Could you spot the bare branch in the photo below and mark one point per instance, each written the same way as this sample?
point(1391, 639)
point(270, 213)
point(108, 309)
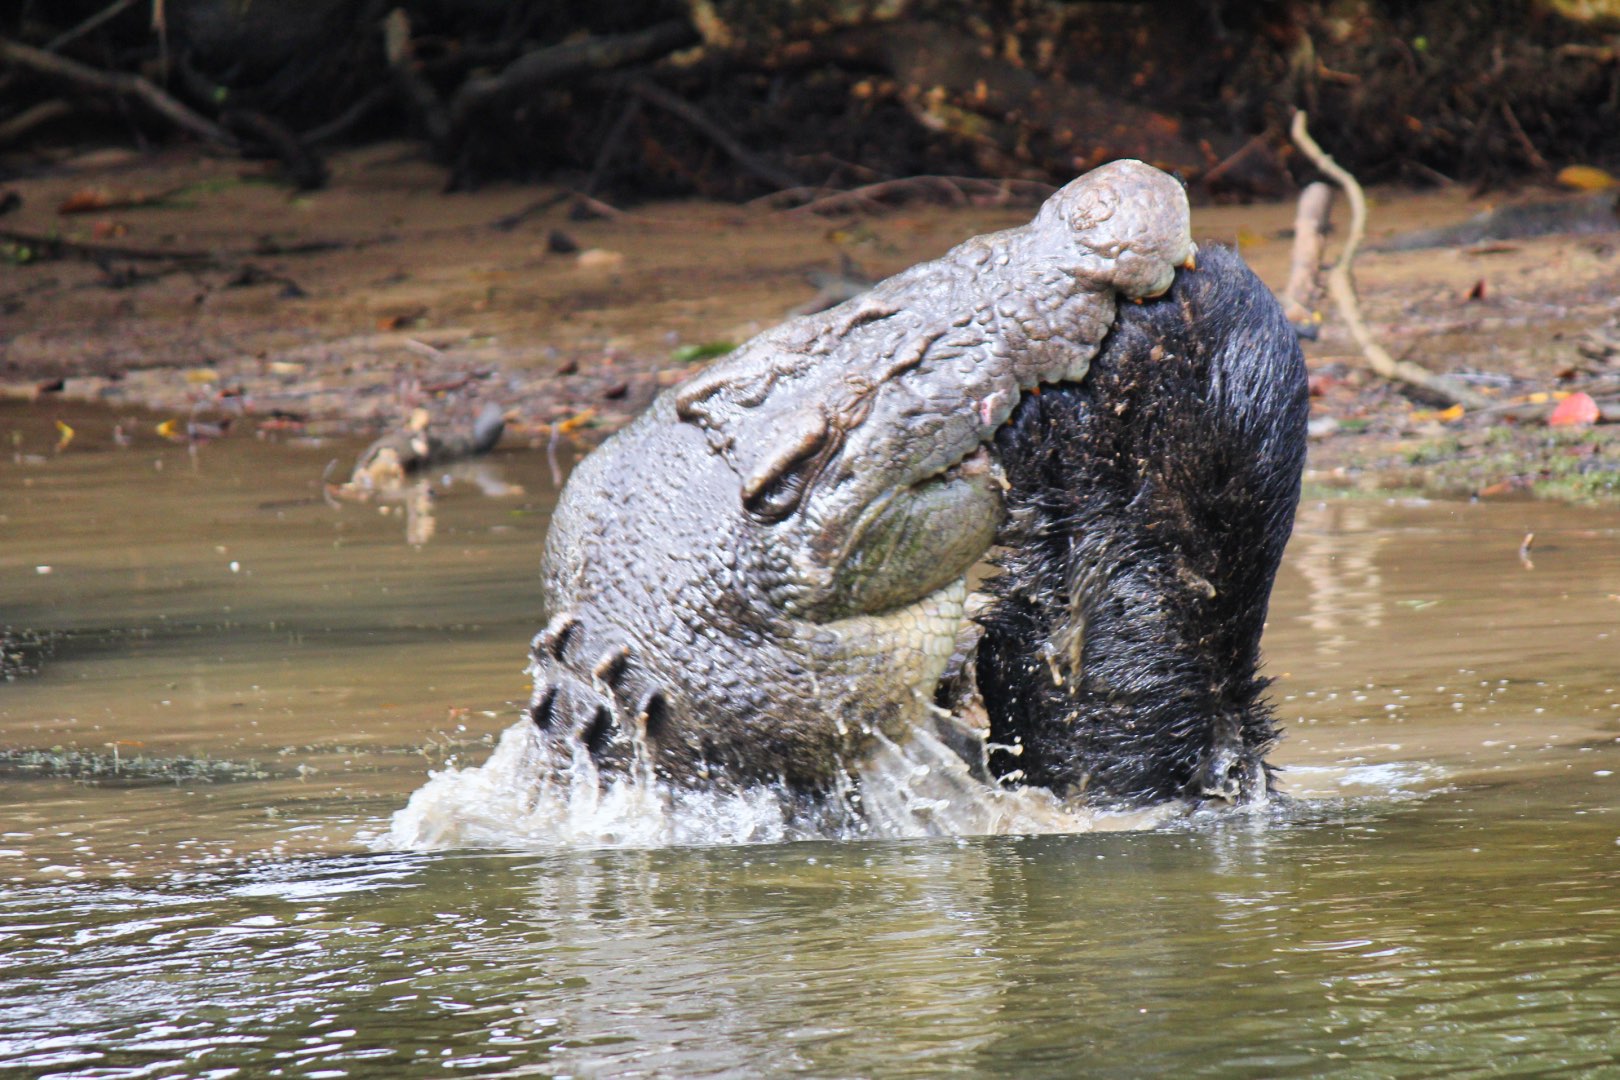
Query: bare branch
point(1342, 286)
point(116, 83)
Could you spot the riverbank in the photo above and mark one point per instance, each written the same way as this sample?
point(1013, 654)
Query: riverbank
point(196, 288)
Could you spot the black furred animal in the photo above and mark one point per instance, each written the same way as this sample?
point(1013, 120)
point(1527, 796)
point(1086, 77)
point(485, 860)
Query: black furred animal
point(1149, 509)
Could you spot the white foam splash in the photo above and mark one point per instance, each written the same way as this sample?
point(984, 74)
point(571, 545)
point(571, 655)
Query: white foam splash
point(519, 798)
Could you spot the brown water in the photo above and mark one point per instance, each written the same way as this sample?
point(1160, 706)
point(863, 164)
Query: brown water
point(246, 682)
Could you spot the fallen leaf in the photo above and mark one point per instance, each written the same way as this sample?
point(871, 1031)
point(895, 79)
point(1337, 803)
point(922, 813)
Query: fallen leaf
point(1585, 178)
point(1444, 416)
point(401, 321)
point(202, 375)
point(1511, 486)
point(578, 420)
point(1576, 410)
point(1321, 384)
point(89, 200)
point(689, 354)
point(66, 436)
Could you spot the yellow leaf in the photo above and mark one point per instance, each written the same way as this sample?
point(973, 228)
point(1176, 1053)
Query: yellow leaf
point(1586, 178)
point(169, 429)
point(1451, 415)
point(578, 420)
point(202, 375)
point(66, 436)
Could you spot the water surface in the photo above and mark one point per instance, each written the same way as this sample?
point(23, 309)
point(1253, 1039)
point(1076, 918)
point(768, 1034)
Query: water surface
point(242, 683)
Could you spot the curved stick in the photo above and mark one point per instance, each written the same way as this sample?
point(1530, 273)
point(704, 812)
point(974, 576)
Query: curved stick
point(1342, 286)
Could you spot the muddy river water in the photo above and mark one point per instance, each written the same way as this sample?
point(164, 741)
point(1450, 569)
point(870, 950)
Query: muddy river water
point(202, 874)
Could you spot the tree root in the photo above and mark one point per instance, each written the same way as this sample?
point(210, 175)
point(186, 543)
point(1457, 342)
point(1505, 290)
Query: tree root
point(119, 83)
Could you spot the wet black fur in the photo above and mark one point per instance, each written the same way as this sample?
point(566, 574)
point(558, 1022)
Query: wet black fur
point(1153, 501)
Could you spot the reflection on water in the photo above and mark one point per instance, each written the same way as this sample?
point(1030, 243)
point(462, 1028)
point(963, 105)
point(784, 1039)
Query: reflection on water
point(1441, 901)
point(1463, 933)
point(1336, 552)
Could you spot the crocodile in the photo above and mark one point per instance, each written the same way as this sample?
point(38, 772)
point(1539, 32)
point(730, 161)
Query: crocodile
point(768, 570)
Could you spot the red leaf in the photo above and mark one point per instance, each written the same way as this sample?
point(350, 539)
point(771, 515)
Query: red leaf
point(1577, 410)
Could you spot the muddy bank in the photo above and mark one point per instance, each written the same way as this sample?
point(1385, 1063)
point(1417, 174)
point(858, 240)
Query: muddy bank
point(346, 309)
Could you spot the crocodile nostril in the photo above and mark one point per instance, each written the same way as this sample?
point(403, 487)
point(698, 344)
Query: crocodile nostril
point(599, 731)
point(543, 711)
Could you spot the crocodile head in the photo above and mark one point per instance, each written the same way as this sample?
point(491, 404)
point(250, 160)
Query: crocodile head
point(767, 569)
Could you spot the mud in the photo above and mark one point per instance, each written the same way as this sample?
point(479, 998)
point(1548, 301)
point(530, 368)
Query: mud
point(343, 310)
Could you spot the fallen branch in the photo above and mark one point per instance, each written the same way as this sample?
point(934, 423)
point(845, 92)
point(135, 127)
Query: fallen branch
point(955, 190)
point(558, 63)
point(44, 247)
point(657, 96)
point(120, 83)
point(32, 117)
point(1342, 286)
point(54, 247)
point(304, 167)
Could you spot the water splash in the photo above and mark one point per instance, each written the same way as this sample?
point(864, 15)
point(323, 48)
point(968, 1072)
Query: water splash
point(523, 798)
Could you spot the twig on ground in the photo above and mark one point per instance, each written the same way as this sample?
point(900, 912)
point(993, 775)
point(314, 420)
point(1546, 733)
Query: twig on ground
point(32, 117)
point(119, 83)
point(54, 247)
point(338, 125)
point(304, 167)
point(1342, 286)
point(508, 222)
point(957, 190)
point(1530, 152)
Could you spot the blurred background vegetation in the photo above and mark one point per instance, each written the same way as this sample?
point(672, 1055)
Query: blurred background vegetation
point(737, 98)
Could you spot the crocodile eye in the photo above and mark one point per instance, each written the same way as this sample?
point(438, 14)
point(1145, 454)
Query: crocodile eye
point(779, 482)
